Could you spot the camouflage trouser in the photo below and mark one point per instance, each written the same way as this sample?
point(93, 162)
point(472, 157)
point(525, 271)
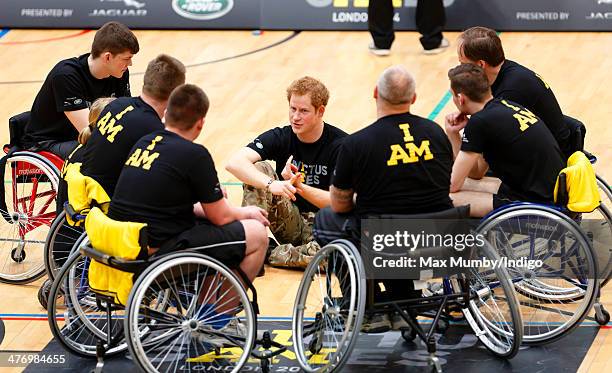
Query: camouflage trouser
point(292, 229)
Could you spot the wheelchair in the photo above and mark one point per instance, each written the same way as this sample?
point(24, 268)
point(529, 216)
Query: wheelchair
point(333, 299)
point(557, 296)
point(172, 319)
point(177, 311)
point(29, 189)
point(60, 240)
point(575, 249)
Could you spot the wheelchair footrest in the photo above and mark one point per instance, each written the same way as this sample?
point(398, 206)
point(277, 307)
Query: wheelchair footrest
point(271, 348)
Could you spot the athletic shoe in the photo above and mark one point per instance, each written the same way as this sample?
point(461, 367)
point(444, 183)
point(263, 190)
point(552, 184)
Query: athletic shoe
point(376, 323)
point(441, 48)
point(378, 51)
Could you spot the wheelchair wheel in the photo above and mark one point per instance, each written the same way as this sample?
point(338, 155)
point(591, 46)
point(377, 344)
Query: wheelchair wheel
point(605, 192)
point(557, 293)
point(597, 226)
point(75, 310)
point(28, 208)
point(606, 205)
point(329, 308)
point(207, 322)
point(492, 309)
point(58, 245)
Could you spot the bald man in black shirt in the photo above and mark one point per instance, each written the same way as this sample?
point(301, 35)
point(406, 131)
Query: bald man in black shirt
point(400, 164)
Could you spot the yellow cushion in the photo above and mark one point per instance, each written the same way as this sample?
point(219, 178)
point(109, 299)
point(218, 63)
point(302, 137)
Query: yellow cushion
point(581, 184)
point(83, 191)
point(118, 239)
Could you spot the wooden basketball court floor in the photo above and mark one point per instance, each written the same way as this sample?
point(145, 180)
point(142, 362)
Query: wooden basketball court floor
point(245, 75)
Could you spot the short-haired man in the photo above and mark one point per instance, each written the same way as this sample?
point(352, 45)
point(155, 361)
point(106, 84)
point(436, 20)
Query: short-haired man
point(127, 119)
point(61, 108)
point(400, 164)
point(166, 174)
point(509, 80)
point(502, 135)
point(305, 155)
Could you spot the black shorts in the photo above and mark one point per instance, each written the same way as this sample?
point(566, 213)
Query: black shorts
point(226, 243)
point(506, 195)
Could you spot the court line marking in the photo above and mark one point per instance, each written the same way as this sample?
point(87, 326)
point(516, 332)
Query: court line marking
point(197, 64)
point(443, 101)
point(44, 317)
point(82, 32)
point(441, 104)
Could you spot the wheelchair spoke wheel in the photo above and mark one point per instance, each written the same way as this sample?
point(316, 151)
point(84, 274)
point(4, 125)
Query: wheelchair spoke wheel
point(75, 317)
point(189, 312)
point(329, 308)
point(597, 226)
point(27, 208)
point(492, 310)
point(556, 294)
point(58, 245)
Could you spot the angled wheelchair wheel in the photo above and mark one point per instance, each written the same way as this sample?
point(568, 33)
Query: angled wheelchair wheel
point(60, 240)
point(329, 308)
point(206, 322)
point(492, 309)
point(28, 207)
point(77, 320)
point(605, 192)
point(559, 286)
point(605, 209)
point(597, 226)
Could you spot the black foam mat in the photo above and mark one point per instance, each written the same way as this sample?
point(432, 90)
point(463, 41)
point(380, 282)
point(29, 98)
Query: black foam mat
point(458, 350)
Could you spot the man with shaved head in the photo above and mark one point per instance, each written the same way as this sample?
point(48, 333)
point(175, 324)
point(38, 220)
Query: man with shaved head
point(400, 164)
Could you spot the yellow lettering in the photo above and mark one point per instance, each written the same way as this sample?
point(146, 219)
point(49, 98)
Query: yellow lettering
point(397, 153)
point(362, 3)
point(108, 127)
point(132, 161)
point(407, 136)
point(232, 354)
point(415, 152)
point(413, 155)
point(154, 142)
point(102, 121)
point(126, 110)
point(515, 108)
point(525, 118)
point(111, 129)
point(321, 357)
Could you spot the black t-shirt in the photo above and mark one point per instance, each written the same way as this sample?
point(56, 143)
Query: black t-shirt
point(523, 86)
point(315, 161)
point(163, 177)
point(400, 164)
point(122, 122)
point(517, 146)
point(68, 87)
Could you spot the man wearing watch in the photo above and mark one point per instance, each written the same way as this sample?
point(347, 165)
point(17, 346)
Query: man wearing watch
point(305, 155)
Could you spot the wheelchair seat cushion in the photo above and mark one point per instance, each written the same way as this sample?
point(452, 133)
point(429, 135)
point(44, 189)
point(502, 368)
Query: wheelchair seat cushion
point(83, 191)
point(124, 240)
point(581, 184)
